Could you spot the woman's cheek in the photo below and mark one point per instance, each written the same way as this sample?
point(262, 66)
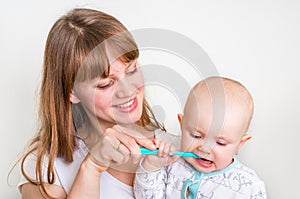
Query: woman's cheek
point(102, 99)
point(138, 79)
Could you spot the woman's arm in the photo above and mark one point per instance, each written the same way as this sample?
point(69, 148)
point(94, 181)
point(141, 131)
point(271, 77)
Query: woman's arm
point(87, 181)
point(86, 184)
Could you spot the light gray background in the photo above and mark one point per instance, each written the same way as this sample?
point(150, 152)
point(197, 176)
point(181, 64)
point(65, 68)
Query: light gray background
point(253, 41)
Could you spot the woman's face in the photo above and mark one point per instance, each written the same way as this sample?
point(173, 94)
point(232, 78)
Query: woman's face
point(115, 99)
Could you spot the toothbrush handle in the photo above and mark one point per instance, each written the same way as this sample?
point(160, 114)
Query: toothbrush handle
point(146, 151)
point(184, 154)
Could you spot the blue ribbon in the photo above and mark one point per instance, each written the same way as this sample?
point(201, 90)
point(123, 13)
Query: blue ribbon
point(192, 185)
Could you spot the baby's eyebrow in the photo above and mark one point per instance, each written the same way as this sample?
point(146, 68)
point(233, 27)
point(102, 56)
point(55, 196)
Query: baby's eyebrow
point(223, 138)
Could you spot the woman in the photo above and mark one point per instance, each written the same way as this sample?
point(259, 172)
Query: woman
point(93, 116)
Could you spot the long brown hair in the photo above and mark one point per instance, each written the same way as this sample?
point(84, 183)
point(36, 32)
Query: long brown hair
point(69, 44)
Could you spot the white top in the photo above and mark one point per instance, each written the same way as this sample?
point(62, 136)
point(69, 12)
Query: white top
point(234, 182)
point(65, 173)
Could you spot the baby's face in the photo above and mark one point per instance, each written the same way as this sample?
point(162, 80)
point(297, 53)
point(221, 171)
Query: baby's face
point(215, 139)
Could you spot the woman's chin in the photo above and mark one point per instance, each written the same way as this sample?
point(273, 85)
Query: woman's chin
point(128, 118)
point(127, 121)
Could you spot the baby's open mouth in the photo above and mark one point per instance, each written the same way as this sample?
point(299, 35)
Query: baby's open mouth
point(206, 160)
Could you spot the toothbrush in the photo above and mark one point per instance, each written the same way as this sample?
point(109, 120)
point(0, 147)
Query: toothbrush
point(146, 151)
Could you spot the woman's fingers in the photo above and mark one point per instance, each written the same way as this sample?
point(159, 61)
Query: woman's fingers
point(108, 149)
point(128, 146)
point(140, 135)
point(146, 143)
point(128, 142)
point(131, 146)
point(120, 144)
point(125, 153)
point(133, 136)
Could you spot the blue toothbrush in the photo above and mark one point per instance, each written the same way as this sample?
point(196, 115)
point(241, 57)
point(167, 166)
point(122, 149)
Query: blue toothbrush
point(146, 151)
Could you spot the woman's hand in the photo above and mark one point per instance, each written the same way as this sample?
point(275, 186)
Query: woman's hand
point(120, 145)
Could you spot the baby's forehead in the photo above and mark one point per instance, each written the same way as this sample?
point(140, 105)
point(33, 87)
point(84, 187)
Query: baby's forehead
point(219, 89)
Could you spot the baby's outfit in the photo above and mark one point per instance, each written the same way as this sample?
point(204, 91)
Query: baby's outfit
point(180, 179)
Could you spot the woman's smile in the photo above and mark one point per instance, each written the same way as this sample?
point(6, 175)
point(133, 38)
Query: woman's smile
point(128, 106)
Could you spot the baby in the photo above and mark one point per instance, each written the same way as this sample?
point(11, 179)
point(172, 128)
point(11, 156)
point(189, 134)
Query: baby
point(216, 118)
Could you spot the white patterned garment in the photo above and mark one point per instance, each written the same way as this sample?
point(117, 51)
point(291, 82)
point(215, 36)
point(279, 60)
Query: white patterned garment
point(234, 182)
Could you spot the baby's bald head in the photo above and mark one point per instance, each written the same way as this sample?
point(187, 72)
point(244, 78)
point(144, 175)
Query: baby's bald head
point(222, 96)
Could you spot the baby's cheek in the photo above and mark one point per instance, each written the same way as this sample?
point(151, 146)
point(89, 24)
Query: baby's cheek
point(187, 144)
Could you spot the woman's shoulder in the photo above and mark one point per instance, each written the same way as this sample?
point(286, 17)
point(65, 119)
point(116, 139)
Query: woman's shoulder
point(64, 172)
point(29, 169)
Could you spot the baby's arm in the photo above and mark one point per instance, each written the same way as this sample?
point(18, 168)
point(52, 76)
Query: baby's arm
point(150, 180)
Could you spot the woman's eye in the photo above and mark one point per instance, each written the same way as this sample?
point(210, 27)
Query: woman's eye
point(132, 71)
point(105, 85)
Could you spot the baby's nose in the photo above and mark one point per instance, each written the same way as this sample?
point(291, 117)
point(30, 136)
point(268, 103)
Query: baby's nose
point(206, 147)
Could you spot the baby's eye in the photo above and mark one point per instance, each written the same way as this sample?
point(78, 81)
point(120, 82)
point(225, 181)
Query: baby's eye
point(221, 143)
point(196, 135)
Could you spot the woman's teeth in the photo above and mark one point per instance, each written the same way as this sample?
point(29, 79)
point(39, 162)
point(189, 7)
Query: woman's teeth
point(126, 105)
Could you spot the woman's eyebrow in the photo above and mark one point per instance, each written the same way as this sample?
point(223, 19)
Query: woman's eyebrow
point(112, 75)
point(130, 64)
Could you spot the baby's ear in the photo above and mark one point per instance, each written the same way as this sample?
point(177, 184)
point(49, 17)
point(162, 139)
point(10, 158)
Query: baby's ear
point(179, 117)
point(244, 139)
point(73, 98)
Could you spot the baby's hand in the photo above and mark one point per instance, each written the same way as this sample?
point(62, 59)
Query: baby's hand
point(153, 162)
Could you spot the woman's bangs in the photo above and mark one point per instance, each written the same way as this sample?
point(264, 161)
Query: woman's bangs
point(122, 46)
point(96, 64)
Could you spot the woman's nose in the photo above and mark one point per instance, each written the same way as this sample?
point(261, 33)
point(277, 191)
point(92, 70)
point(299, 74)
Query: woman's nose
point(124, 88)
